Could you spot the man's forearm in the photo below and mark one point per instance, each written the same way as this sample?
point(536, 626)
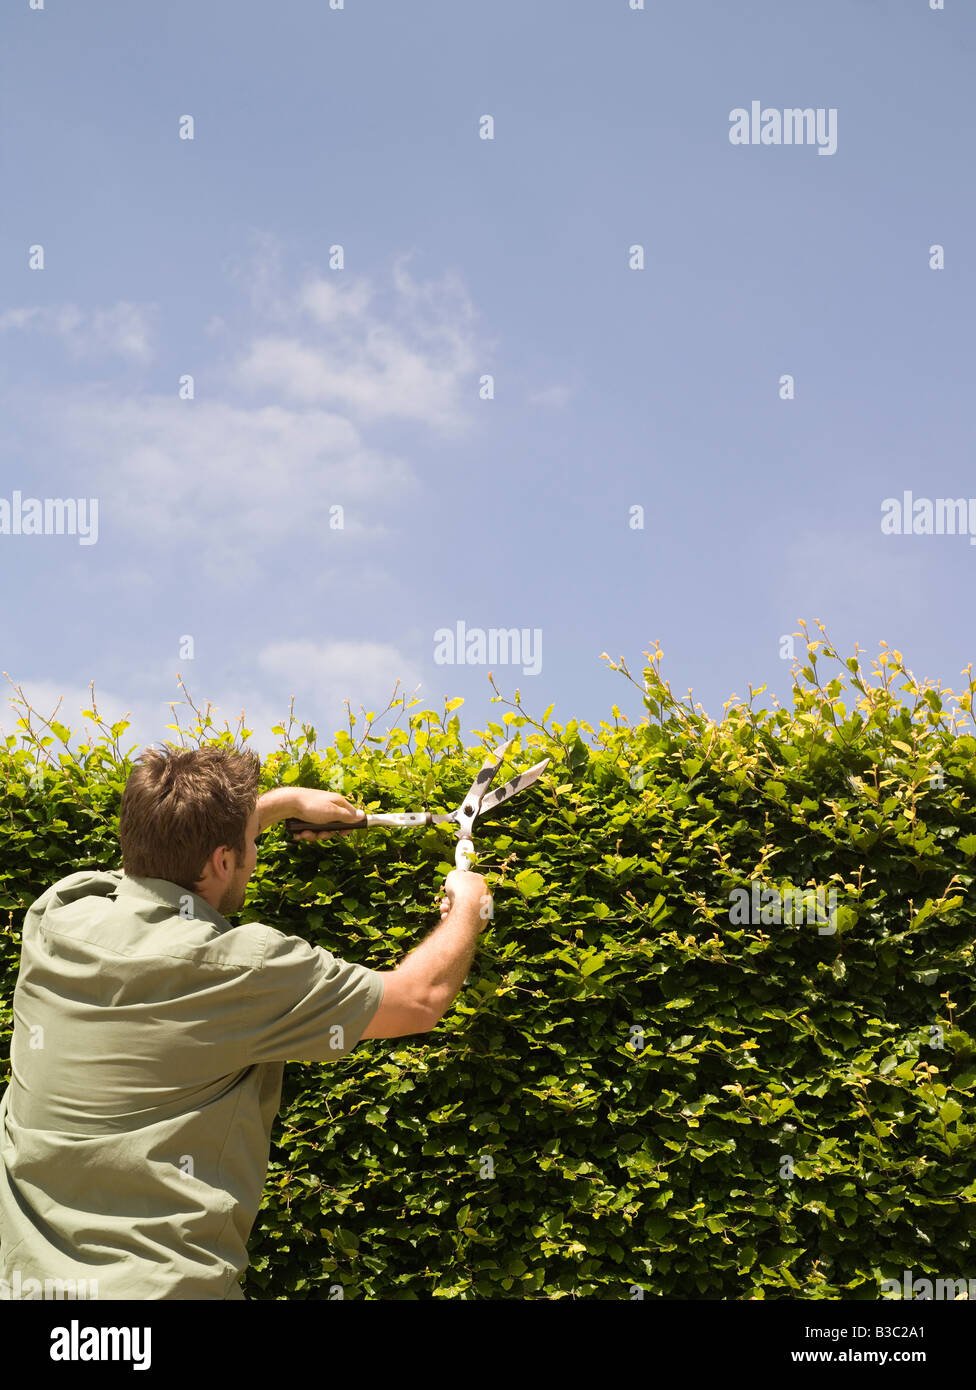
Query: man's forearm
point(274, 806)
point(440, 965)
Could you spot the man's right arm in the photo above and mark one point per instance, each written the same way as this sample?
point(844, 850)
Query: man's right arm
point(418, 993)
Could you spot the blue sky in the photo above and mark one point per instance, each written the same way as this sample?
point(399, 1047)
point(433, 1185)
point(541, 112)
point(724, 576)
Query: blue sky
point(360, 387)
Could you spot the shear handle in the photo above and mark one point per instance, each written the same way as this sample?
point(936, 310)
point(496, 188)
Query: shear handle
point(292, 824)
point(394, 819)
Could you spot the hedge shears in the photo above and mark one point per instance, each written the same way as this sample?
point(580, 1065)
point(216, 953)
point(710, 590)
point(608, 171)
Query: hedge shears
point(475, 804)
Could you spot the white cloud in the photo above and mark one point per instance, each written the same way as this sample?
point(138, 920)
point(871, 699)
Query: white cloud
point(322, 676)
point(224, 482)
point(328, 300)
point(259, 273)
point(381, 378)
point(121, 331)
point(416, 362)
point(124, 330)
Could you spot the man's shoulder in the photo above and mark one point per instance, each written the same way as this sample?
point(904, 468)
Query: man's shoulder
point(113, 914)
point(143, 918)
point(83, 882)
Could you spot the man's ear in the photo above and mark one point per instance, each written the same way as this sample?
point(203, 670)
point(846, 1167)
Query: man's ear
point(209, 870)
point(229, 857)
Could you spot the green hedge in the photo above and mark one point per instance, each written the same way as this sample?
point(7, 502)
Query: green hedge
point(633, 1095)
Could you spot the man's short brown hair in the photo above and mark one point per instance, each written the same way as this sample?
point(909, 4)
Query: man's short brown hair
point(180, 804)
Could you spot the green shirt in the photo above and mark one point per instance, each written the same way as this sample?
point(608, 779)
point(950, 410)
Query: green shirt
point(146, 1068)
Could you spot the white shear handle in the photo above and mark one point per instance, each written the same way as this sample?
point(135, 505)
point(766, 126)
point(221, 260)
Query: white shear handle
point(464, 854)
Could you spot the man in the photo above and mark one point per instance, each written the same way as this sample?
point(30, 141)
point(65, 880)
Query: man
point(150, 1035)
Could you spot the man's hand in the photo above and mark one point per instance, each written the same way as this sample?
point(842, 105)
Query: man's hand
point(466, 885)
point(305, 803)
point(314, 805)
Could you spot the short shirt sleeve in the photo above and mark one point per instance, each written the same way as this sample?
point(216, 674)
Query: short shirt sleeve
point(306, 1005)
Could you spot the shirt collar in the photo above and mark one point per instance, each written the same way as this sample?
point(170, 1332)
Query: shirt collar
point(161, 893)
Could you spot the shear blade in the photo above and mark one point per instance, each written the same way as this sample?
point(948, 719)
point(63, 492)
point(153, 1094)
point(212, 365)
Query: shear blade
point(517, 784)
point(469, 806)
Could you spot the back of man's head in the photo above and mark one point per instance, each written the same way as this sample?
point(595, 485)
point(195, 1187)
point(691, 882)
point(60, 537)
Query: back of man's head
point(181, 804)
